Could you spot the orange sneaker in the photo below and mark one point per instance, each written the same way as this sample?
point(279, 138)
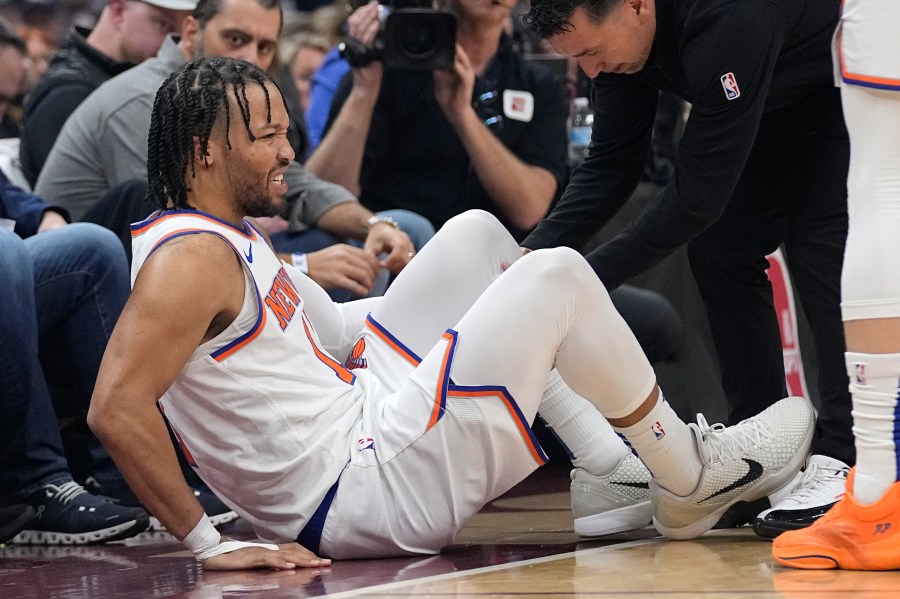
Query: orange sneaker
point(849, 536)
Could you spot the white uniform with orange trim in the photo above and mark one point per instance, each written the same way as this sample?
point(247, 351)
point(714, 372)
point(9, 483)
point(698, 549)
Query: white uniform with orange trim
point(867, 46)
point(271, 421)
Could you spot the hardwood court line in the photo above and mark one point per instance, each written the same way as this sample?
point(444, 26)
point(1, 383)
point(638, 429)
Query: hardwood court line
point(483, 570)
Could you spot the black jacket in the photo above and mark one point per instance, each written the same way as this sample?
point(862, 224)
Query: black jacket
point(778, 52)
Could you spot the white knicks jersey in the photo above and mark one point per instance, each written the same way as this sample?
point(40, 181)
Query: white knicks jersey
point(263, 412)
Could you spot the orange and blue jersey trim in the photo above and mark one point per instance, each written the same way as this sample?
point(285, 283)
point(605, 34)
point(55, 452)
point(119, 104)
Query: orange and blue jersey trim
point(392, 341)
point(338, 368)
point(443, 381)
point(537, 452)
point(143, 226)
point(232, 347)
point(867, 80)
point(885, 83)
point(445, 386)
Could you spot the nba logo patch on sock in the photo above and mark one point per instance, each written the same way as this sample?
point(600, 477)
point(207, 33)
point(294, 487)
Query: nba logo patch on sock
point(859, 373)
point(658, 430)
point(366, 443)
point(729, 84)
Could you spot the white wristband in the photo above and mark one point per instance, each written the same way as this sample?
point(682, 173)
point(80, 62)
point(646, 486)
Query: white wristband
point(299, 262)
point(229, 546)
point(205, 542)
point(203, 537)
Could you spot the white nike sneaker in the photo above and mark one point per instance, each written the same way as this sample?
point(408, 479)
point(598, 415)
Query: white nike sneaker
point(617, 502)
point(823, 485)
point(745, 462)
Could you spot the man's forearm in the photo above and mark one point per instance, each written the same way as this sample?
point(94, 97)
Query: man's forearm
point(522, 191)
point(347, 220)
point(339, 156)
point(143, 451)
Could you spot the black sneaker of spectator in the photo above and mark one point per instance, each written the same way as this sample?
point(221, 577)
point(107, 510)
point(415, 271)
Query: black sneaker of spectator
point(13, 518)
point(67, 514)
point(218, 512)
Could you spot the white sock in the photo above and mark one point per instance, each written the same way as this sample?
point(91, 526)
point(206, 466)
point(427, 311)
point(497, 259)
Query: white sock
point(876, 422)
point(667, 446)
point(590, 440)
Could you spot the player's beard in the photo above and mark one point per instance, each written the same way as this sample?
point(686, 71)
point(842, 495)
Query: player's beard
point(253, 199)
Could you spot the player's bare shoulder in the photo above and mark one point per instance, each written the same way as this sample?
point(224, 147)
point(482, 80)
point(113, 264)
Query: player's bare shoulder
point(200, 270)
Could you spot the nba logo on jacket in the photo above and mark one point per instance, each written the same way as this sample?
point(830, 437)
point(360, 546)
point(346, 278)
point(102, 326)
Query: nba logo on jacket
point(729, 84)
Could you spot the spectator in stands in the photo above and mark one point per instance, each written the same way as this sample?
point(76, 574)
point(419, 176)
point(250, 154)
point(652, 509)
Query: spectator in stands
point(305, 42)
point(303, 53)
point(63, 289)
point(324, 82)
point(488, 133)
point(41, 49)
point(104, 144)
point(13, 73)
point(126, 33)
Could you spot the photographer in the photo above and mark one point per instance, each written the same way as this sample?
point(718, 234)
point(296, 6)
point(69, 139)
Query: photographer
point(487, 133)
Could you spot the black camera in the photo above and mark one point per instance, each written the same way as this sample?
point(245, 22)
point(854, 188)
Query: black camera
point(419, 39)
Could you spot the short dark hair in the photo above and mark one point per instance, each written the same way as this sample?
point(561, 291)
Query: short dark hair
point(187, 106)
point(552, 17)
point(207, 9)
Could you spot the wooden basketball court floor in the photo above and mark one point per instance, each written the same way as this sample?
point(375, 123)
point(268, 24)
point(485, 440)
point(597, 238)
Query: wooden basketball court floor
point(520, 545)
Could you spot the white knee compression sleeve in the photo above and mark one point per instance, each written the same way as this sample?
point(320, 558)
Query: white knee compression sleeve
point(871, 277)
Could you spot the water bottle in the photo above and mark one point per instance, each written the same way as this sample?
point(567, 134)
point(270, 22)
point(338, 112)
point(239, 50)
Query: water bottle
point(579, 127)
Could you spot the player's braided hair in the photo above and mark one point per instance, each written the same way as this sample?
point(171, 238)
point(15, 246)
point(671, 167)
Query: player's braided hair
point(187, 106)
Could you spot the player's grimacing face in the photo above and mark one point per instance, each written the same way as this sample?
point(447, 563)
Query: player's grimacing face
point(255, 169)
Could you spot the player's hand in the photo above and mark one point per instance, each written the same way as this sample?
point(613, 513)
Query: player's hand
point(386, 239)
point(288, 557)
point(453, 87)
point(343, 266)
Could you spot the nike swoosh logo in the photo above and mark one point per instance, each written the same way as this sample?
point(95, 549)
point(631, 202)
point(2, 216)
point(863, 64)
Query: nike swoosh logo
point(756, 470)
point(249, 255)
point(633, 485)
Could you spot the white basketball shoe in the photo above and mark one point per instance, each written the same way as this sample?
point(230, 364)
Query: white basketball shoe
point(745, 462)
point(617, 502)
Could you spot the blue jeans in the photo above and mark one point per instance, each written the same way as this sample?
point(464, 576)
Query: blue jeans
point(417, 227)
point(61, 294)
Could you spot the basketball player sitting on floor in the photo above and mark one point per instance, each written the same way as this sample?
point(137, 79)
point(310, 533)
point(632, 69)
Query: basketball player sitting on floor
point(393, 451)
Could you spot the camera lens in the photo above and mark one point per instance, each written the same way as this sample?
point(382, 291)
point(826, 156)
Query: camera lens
point(417, 39)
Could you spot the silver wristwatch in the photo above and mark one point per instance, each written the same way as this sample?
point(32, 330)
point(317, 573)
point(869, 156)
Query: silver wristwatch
point(375, 219)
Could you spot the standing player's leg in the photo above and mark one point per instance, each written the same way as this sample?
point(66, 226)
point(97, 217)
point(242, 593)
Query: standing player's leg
point(862, 531)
